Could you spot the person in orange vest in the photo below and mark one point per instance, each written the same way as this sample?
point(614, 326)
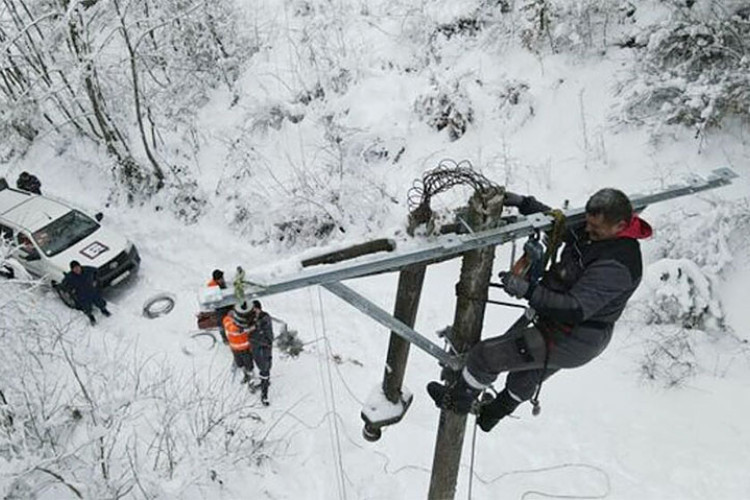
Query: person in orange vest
point(217, 279)
point(236, 325)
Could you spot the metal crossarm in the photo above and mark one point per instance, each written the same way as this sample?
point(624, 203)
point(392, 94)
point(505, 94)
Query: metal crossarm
point(384, 318)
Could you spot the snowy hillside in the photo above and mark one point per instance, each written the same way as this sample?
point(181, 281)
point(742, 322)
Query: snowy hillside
point(307, 136)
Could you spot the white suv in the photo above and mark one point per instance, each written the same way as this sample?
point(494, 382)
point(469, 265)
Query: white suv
point(46, 234)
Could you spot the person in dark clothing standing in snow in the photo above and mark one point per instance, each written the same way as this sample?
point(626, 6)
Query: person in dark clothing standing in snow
point(261, 334)
point(81, 282)
point(576, 302)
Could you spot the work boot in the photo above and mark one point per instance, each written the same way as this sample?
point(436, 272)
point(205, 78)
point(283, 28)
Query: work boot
point(457, 397)
point(491, 413)
point(91, 318)
point(106, 312)
point(247, 377)
point(264, 392)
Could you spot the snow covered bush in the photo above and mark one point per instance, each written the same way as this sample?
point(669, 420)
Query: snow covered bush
point(709, 232)
point(684, 329)
point(669, 357)
point(128, 76)
point(444, 109)
point(560, 25)
point(679, 293)
point(693, 70)
point(677, 302)
point(82, 417)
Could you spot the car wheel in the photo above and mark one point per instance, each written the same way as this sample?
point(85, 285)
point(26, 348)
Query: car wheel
point(65, 296)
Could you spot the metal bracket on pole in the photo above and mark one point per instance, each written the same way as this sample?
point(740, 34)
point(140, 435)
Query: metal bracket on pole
point(384, 318)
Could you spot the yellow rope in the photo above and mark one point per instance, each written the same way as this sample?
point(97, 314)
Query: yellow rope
point(554, 235)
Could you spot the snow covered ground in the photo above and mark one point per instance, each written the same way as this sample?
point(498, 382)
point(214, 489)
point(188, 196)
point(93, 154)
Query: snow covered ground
point(606, 430)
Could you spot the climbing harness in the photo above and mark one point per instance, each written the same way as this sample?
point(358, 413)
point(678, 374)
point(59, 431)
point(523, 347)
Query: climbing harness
point(531, 266)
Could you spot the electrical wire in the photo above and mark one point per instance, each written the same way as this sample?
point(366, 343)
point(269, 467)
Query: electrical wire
point(327, 382)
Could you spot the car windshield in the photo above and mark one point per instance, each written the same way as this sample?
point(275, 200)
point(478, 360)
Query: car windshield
point(64, 232)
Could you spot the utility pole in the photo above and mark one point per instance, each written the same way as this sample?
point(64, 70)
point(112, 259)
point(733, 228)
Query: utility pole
point(471, 291)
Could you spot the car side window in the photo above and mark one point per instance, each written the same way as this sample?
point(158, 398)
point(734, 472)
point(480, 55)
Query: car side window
point(25, 242)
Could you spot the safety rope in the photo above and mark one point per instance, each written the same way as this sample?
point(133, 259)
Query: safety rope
point(473, 452)
point(536, 407)
point(555, 234)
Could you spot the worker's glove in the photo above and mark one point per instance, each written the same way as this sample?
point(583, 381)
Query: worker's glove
point(457, 397)
point(491, 413)
point(512, 199)
point(515, 286)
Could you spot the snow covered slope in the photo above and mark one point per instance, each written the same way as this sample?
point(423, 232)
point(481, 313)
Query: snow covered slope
point(660, 415)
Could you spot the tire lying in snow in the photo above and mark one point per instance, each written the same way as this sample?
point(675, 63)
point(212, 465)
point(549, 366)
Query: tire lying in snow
point(159, 305)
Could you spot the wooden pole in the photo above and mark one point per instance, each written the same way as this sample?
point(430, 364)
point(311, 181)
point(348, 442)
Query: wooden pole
point(410, 282)
point(471, 291)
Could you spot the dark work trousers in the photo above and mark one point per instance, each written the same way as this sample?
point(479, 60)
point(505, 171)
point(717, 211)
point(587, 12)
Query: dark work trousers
point(495, 355)
point(244, 360)
point(262, 355)
point(96, 300)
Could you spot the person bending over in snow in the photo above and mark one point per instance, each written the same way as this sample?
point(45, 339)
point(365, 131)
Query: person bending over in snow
point(577, 302)
point(236, 325)
point(81, 282)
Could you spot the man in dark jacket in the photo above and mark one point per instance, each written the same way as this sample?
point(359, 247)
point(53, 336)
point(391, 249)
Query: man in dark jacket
point(261, 338)
point(576, 305)
point(81, 283)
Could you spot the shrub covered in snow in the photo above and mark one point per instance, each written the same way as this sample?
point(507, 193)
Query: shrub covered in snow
point(708, 232)
point(694, 70)
point(679, 293)
point(668, 357)
point(678, 303)
point(446, 109)
point(81, 418)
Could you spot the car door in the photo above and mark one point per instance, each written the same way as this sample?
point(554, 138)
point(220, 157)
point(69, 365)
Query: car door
point(6, 247)
point(29, 255)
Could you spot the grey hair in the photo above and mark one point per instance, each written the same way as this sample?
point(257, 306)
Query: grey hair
point(612, 203)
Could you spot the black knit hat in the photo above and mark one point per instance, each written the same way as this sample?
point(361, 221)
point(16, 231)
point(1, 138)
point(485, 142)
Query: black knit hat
point(217, 274)
point(74, 263)
point(256, 304)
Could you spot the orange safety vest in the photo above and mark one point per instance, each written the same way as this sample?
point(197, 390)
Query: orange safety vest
point(212, 283)
point(238, 338)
